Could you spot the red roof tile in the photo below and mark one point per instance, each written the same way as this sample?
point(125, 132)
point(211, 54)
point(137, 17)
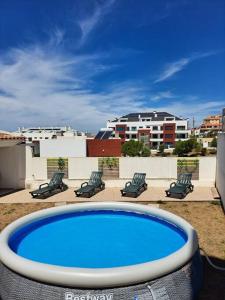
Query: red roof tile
point(7, 136)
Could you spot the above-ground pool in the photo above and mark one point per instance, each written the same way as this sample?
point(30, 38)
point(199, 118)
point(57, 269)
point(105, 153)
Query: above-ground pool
point(100, 251)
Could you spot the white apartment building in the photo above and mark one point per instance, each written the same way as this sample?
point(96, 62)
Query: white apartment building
point(44, 133)
point(153, 128)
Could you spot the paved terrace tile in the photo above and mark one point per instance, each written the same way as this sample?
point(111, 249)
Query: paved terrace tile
point(153, 194)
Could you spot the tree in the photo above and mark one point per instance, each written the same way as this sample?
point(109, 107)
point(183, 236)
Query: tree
point(180, 148)
point(214, 142)
point(198, 147)
point(135, 148)
point(61, 164)
point(146, 152)
point(185, 147)
point(190, 145)
point(161, 149)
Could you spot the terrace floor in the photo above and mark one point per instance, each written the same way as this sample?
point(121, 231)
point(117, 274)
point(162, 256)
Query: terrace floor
point(153, 194)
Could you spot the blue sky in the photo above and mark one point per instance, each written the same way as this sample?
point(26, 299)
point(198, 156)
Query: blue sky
point(82, 62)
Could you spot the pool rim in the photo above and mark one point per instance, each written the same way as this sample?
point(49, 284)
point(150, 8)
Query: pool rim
point(100, 277)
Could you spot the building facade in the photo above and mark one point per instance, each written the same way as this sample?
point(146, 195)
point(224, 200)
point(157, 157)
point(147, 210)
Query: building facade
point(211, 123)
point(63, 146)
point(152, 128)
point(104, 148)
point(44, 133)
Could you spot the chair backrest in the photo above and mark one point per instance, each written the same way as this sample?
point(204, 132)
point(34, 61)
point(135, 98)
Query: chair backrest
point(56, 178)
point(96, 178)
point(184, 178)
point(138, 178)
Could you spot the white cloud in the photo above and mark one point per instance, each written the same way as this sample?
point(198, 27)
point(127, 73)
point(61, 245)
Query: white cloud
point(49, 89)
point(162, 95)
point(88, 24)
point(172, 68)
point(39, 88)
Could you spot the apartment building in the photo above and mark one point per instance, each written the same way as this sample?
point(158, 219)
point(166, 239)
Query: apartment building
point(211, 123)
point(44, 133)
point(153, 128)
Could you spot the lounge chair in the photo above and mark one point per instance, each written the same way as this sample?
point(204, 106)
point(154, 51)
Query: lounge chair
point(55, 184)
point(89, 188)
point(136, 186)
point(182, 187)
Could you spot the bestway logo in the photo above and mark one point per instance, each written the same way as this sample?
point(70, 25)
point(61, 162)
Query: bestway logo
point(72, 296)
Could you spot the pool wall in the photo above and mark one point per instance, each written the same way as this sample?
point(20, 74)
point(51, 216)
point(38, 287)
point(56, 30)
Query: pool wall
point(176, 276)
point(184, 283)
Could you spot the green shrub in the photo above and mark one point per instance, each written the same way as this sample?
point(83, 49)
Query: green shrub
point(61, 164)
point(214, 142)
point(135, 148)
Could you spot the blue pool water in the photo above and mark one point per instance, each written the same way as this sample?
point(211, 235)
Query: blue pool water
point(97, 239)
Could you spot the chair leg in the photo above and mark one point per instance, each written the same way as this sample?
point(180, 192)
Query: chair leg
point(91, 193)
point(182, 195)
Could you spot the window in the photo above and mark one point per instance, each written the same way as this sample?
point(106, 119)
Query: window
point(169, 118)
point(168, 145)
point(180, 135)
point(128, 128)
point(140, 126)
point(154, 145)
point(161, 136)
point(155, 136)
point(133, 136)
point(144, 139)
point(120, 128)
point(168, 127)
point(133, 128)
point(147, 126)
point(168, 136)
point(127, 136)
point(155, 128)
point(161, 127)
point(180, 127)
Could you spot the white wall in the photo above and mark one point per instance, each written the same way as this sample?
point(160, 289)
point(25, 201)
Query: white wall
point(154, 167)
point(12, 167)
point(160, 170)
point(81, 168)
point(207, 169)
point(63, 147)
point(220, 167)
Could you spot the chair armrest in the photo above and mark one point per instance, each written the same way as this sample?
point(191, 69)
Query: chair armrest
point(128, 184)
point(43, 184)
point(172, 184)
point(84, 184)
